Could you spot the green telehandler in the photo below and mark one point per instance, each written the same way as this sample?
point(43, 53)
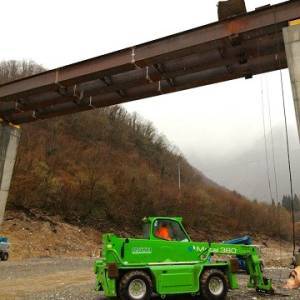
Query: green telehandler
point(167, 262)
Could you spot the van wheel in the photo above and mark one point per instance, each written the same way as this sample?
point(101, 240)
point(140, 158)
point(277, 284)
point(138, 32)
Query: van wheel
point(214, 285)
point(135, 285)
point(4, 256)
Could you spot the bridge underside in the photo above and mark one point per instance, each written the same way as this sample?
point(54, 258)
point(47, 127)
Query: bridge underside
point(242, 46)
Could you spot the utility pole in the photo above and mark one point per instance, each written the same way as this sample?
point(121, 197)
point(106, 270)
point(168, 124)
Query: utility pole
point(179, 175)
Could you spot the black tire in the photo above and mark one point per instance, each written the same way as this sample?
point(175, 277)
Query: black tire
point(4, 256)
point(135, 277)
point(209, 277)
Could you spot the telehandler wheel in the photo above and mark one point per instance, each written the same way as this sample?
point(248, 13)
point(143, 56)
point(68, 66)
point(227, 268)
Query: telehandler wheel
point(214, 285)
point(135, 285)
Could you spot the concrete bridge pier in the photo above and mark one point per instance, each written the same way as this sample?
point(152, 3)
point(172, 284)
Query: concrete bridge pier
point(9, 141)
point(291, 36)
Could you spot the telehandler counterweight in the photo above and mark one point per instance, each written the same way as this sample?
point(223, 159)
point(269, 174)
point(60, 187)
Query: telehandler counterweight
point(135, 269)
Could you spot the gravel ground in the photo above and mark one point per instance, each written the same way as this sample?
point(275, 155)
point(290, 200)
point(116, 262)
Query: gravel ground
point(72, 278)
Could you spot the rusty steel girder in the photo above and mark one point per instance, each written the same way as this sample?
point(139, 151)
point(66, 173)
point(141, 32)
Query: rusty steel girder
point(240, 46)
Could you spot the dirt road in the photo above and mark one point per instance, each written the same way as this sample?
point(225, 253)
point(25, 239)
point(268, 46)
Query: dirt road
point(68, 278)
point(73, 278)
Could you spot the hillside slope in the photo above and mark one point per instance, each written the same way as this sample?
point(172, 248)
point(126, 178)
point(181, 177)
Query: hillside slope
point(107, 169)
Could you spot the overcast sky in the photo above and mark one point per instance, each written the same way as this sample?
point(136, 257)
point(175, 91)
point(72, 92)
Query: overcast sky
point(209, 124)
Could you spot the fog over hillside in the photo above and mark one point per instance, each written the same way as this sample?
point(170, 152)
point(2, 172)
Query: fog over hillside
point(219, 129)
point(246, 172)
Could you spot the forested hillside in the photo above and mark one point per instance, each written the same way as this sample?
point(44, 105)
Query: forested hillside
point(107, 168)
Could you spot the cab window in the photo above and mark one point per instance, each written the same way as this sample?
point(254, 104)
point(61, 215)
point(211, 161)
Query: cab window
point(169, 230)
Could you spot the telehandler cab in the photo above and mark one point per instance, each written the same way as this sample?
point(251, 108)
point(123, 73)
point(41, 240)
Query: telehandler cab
point(135, 269)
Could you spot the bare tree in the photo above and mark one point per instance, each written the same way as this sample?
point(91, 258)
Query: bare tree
point(13, 69)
